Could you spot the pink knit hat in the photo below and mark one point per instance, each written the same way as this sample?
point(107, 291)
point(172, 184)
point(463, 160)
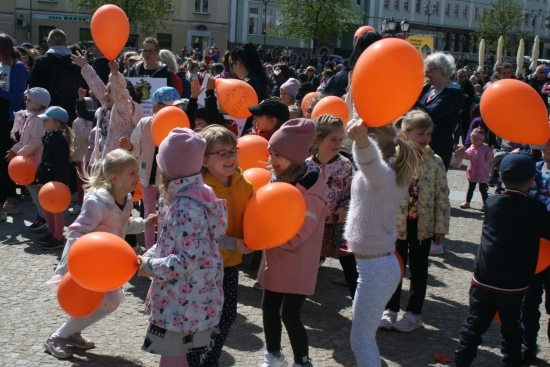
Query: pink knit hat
point(477, 134)
point(293, 139)
point(292, 86)
point(181, 153)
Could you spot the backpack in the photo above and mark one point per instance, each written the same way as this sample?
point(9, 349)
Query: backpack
point(64, 84)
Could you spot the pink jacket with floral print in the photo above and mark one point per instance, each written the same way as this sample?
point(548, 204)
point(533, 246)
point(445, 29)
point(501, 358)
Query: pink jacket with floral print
point(125, 113)
point(187, 293)
point(479, 168)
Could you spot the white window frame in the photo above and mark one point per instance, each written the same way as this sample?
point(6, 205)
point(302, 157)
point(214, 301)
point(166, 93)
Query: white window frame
point(202, 7)
point(252, 16)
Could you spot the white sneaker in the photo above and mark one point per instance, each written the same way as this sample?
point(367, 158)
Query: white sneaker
point(408, 323)
point(74, 210)
point(387, 320)
point(271, 361)
point(436, 249)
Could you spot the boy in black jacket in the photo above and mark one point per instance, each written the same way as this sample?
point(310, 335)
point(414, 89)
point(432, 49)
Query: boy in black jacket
point(505, 262)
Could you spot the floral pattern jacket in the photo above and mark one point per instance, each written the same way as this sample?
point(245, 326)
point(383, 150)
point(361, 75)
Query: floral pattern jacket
point(186, 294)
point(434, 208)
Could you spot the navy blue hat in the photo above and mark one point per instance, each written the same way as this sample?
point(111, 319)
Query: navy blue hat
point(517, 167)
point(27, 45)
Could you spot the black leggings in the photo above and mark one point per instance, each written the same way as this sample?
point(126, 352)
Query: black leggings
point(290, 315)
point(349, 265)
point(7, 186)
point(482, 190)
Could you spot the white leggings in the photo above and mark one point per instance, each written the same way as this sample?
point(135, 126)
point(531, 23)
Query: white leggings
point(77, 324)
point(378, 279)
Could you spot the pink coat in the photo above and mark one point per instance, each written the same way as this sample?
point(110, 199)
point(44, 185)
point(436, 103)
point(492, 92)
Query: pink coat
point(30, 142)
point(125, 113)
point(479, 168)
point(293, 266)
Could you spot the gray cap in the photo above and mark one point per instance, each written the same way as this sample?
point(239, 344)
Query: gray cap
point(40, 96)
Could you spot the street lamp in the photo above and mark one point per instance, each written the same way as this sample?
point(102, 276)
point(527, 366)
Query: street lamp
point(428, 12)
point(265, 20)
point(392, 27)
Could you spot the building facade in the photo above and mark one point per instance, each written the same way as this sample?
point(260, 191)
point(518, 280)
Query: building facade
point(194, 24)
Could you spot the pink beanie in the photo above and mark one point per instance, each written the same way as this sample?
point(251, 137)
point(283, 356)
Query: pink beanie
point(477, 134)
point(292, 86)
point(181, 153)
point(293, 139)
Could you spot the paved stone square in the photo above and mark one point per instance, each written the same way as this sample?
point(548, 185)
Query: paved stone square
point(29, 311)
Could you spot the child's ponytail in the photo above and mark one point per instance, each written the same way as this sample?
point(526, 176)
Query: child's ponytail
point(114, 162)
point(68, 135)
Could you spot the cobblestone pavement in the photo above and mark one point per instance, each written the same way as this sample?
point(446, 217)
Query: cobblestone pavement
point(29, 311)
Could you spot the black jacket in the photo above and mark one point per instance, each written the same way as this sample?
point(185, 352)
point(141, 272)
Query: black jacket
point(54, 165)
point(507, 257)
point(138, 70)
point(101, 67)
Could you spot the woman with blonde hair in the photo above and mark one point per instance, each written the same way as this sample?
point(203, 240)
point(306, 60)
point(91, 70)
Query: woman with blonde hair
point(168, 58)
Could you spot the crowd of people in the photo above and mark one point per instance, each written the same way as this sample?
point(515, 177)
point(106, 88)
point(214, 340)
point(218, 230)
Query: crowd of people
point(374, 196)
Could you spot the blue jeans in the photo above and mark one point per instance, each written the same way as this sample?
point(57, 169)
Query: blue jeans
point(483, 306)
point(530, 313)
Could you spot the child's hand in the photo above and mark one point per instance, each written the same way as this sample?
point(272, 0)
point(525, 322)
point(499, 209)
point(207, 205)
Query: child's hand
point(141, 272)
point(151, 221)
point(358, 132)
point(81, 93)
point(11, 154)
point(210, 83)
point(241, 247)
point(341, 213)
point(125, 143)
point(80, 59)
point(439, 237)
point(113, 66)
point(196, 88)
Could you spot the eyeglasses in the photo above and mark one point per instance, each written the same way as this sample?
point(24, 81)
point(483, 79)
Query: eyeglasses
point(429, 70)
point(148, 51)
point(224, 154)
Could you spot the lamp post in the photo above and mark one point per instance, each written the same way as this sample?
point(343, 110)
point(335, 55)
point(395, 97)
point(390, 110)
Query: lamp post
point(265, 20)
point(430, 10)
point(392, 28)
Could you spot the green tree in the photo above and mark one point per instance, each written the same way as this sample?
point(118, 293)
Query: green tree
point(317, 20)
point(504, 18)
point(147, 16)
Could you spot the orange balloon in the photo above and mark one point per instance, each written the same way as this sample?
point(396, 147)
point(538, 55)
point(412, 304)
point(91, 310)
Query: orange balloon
point(514, 111)
point(76, 300)
point(166, 120)
point(375, 77)
point(138, 195)
point(101, 261)
point(258, 177)
point(110, 30)
point(401, 264)
point(252, 151)
point(235, 96)
point(362, 30)
point(544, 256)
point(54, 197)
point(22, 170)
point(331, 105)
point(306, 100)
point(270, 206)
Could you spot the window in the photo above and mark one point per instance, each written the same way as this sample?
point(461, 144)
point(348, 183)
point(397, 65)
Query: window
point(483, 13)
point(476, 13)
point(456, 10)
point(165, 40)
point(201, 6)
point(395, 4)
point(253, 20)
point(279, 20)
point(526, 19)
point(85, 36)
point(417, 6)
point(406, 5)
point(43, 31)
point(169, 5)
point(266, 26)
point(436, 8)
point(448, 10)
point(386, 4)
point(465, 12)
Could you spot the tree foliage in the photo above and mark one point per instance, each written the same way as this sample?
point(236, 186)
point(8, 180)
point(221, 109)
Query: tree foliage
point(147, 16)
point(504, 18)
point(317, 20)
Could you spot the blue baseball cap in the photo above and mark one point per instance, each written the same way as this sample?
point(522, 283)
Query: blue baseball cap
point(517, 167)
point(166, 95)
point(56, 113)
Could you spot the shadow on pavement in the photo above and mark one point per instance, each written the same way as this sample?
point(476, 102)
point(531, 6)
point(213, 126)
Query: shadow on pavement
point(88, 359)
